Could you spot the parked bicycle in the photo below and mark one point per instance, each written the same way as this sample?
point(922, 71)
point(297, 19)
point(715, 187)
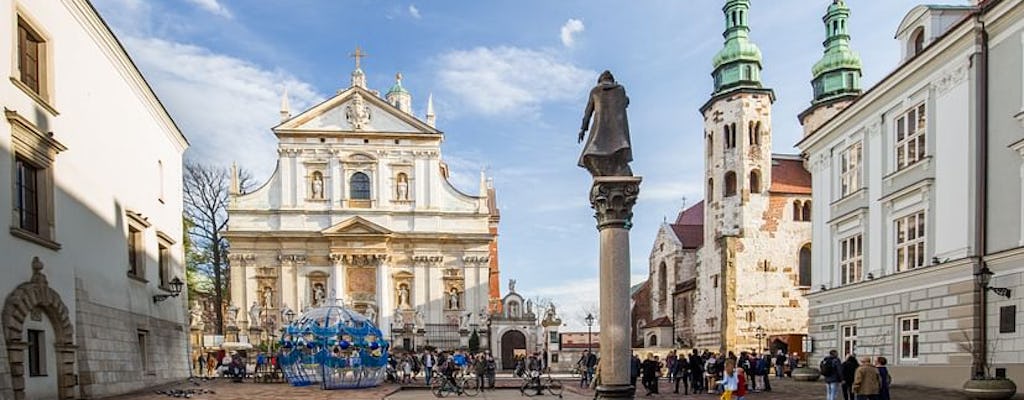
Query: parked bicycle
point(461, 385)
point(535, 384)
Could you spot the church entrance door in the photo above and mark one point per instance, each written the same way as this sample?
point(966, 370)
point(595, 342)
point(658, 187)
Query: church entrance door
point(510, 342)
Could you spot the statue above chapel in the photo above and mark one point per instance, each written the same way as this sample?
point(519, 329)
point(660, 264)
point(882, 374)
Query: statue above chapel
point(608, 151)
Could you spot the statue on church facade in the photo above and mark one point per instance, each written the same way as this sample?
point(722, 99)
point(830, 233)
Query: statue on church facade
point(319, 295)
point(453, 299)
point(358, 113)
point(402, 187)
point(608, 151)
point(196, 315)
point(403, 295)
point(232, 319)
point(318, 185)
point(254, 314)
point(399, 318)
point(512, 285)
point(268, 297)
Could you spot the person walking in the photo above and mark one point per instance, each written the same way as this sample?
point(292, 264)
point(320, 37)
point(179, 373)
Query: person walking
point(696, 365)
point(649, 374)
point(763, 370)
point(886, 379)
point(780, 364)
point(730, 379)
point(849, 368)
point(681, 372)
point(429, 361)
point(492, 368)
point(202, 364)
point(634, 368)
point(832, 370)
point(867, 382)
point(480, 369)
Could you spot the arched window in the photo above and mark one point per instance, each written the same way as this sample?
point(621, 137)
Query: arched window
point(711, 187)
point(757, 134)
point(806, 211)
point(747, 72)
point(359, 186)
point(727, 133)
point(711, 142)
point(663, 282)
point(797, 210)
point(755, 181)
point(653, 342)
point(732, 134)
point(805, 265)
point(918, 40)
point(730, 184)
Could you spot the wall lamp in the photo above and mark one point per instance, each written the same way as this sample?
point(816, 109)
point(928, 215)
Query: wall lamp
point(175, 289)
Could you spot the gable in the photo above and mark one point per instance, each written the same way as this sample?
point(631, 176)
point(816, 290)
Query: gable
point(356, 226)
point(355, 110)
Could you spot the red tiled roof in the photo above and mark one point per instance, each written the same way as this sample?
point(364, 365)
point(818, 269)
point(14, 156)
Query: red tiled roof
point(691, 236)
point(789, 176)
point(692, 216)
point(660, 322)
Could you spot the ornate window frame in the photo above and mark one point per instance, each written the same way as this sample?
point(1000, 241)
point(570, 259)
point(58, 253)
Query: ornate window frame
point(39, 149)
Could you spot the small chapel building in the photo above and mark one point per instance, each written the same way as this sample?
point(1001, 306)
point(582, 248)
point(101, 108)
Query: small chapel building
point(360, 211)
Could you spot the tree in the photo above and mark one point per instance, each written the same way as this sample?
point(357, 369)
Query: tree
point(206, 199)
point(474, 342)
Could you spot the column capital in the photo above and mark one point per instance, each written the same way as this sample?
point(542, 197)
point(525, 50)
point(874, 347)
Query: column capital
point(612, 198)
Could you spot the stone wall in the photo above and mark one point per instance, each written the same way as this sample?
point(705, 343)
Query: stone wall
point(108, 350)
point(6, 390)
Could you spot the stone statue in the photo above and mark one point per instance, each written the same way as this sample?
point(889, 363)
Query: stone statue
point(453, 299)
point(268, 297)
point(196, 315)
point(529, 307)
point(254, 314)
point(608, 151)
point(318, 295)
point(284, 313)
point(399, 318)
point(232, 320)
point(464, 321)
point(511, 285)
point(420, 323)
point(402, 187)
point(403, 295)
point(318, 186)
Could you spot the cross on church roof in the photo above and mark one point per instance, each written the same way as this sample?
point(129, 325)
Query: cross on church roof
point(358, 55)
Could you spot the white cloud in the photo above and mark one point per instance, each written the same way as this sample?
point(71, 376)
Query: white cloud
point(569, 30)
point(220, 101)
point(510, 80)
point(212, 6)
point(414, 12)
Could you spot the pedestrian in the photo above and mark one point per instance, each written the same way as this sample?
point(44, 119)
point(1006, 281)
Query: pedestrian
point(480, 369)
point(681, 373)
point(649, 374)
point(763, 366)
point(730, 379)
point(696, 365)
point(211, 365)
point(832, 370)
point(202, 364)
point(429, 361)
point(492, 368)
point(867, 381)
point(794, 362)
point(634, 368)
point(741, 386)
point(670, 363)
point(849, 368)
point(886, 379)
point(780, 364)
point(711, 373)
point(407, 368)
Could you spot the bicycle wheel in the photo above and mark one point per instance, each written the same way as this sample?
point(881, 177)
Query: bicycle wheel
point(528, 389)
point(437, 387)
point(470, 387)
point(554, 386)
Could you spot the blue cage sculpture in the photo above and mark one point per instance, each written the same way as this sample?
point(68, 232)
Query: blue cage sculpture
point(335, 347)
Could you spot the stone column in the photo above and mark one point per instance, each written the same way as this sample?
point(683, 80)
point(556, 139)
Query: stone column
point(612, 199)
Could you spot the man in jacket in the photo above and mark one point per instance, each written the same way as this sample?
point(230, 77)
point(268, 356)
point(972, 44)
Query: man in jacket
point(832, 370)
point(428, 361)
point(866, 381)
point(634, 368)
point(696, 372)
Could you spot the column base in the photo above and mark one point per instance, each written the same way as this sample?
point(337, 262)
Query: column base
point(615, 391)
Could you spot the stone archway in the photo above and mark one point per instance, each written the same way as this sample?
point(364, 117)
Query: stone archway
point(510, 341)
point(31, 295)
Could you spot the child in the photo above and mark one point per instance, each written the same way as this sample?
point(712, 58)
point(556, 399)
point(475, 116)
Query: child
point(741, 387)
point(730, 380)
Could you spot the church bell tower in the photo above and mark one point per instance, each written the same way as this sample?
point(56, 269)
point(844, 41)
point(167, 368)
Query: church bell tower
point(837, 75)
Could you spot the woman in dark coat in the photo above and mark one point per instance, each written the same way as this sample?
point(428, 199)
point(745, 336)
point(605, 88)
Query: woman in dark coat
point(883, 372)
point(849, 370)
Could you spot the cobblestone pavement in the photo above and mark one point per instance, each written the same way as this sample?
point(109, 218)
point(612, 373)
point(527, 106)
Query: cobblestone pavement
point(785, 389)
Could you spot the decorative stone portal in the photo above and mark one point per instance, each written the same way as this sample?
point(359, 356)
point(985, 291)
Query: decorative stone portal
point(36, 294)
point(510, 342)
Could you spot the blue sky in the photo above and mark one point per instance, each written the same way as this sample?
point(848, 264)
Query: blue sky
point(509, 81)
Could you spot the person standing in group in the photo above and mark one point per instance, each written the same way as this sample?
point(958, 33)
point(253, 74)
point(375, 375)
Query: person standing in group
point(492, 368)
point(849, 368)
point(780, 364)
point(711, 372)
point(480, 369)
point(681, 372)
point(634, 368)
point(429, 361)
point(886, 379)
point(763, 370)
point(201, 362)
point(670, 363)
point(586, 363)
point(649, 374)
point(794, 362)
point(832, 370)
point(866, 382)
point(696, 366)
point(730, 379)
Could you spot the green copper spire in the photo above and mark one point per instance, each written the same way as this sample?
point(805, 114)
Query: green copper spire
point(738, 64)
point(838, 72)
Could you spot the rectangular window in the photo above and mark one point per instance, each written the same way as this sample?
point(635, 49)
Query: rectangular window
point(30, 51)
point(849, 170)
point(134, 254)
point(26, 189)
point(163, 258)
point(849, 333)
point(36, 353)
point(910, 137)
point(1008, 319)
point(160, 178)
point(910, 240)
point(909, 333)
point(143, 354)
point(851, 264)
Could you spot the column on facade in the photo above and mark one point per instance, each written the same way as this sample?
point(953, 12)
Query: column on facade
point(339, 277)
point(385, 292)
point(238, 277)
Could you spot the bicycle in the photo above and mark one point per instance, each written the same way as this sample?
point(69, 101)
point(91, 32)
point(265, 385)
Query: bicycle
point(576, 371)
point(534, 384)
point(443, 385)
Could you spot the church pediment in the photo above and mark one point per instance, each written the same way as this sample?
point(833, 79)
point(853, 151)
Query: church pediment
point(356, 226)
point(355, 110)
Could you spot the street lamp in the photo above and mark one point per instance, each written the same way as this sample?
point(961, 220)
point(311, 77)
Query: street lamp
point(590, 323)
point(759, 334)
point(174, 289)
point(982, 278)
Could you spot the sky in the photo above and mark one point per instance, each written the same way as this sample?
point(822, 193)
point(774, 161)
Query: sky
point(509, 81)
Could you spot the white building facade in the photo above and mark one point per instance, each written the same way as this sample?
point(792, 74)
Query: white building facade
point(907, 208)
point(360, 210)
point(90, 163)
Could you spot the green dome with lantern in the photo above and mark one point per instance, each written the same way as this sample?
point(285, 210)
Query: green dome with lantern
point(837, 74)
point(738, 63)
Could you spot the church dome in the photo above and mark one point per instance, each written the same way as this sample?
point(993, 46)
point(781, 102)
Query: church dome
point(739, 49)
point(335, 347)
point(837, 59)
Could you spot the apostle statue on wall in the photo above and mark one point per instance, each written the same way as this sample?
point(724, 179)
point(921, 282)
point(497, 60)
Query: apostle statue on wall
point(318, 185)
point(512, 285)
point(196, 316)
point(268, 297)
point(254, 314)
point(453, 299)
point(319, 295)
point(608, 150)
point(403, 295)
point(232, 319)
point(399, 318)
point(419, 319)
point(402, 187)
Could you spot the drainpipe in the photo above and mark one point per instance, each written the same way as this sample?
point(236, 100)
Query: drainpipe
point(980, 63)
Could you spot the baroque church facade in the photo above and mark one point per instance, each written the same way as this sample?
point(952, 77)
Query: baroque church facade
point(360, 211)
point(732, 270)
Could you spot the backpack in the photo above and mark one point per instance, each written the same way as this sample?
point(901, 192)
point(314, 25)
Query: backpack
point(828, 367)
